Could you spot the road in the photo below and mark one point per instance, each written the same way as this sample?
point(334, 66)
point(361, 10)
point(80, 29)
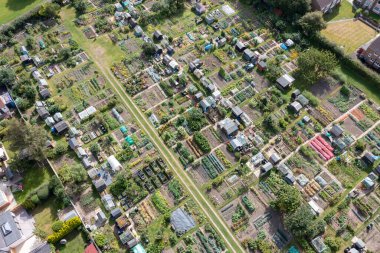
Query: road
point(169, 157)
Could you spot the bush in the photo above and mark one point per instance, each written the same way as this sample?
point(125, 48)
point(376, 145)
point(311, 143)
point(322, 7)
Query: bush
point(313, 99)
point(67, 227)
point(43, 192)
point(100, 239)
point(201, 142)
point(57, 225)
point(35, 200)
point(345, 91)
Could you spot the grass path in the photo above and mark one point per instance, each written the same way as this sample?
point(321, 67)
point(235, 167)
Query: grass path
point(209, 210)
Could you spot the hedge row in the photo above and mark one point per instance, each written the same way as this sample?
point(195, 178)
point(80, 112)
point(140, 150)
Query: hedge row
point(354, 65)
point(67, 227)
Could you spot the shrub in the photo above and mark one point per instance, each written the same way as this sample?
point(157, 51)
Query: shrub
point(43, 192)
point(57, 225)
point(67, 227)
point(100, 239)
point(201, 142)
point(35, 200)
point(345, 91)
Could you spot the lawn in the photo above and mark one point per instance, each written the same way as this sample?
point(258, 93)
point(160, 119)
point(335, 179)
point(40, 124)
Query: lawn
point(45, 214)
point(11, 9)
point(369, 88)
point(349, 34)
point(76, 242)
point(345, 11)
point(34, 176)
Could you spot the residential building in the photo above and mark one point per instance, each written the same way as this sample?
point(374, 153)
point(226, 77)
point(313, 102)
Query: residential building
point(324, 6)
point(371, 56)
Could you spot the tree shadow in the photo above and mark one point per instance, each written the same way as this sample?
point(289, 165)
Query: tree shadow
point(15, 5)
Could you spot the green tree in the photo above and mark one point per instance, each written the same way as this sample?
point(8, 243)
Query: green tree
point(49, 10)
point(292, 8)
point(302, 223)
point(314, 64)
point(288, 199)
point(149, 49)
point(24, 136)
point(312, 22)
point(7, 76)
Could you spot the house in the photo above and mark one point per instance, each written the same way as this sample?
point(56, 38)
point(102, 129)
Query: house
point(16, 228)
point(100, 218)
point(205, 105)
point(369, 158)
point(43, 113)
point(73, 143)
point(200, 8)
point(157, 35)
point(274, 158)
point(58, 116)
point(262, 66)
point(285, 81)
point(61, 127)
point(266, 167)
point(371, 56)
point(237, 111)
point(196, 64)
point(42, 82)
point(49, 121)
point(116, 213)
point(229, 127)
point(295, 94)
point(86, 163)
point(118, 7)
point(114, 163)
point(90, 249)
point(45, 93)
point(318, 244)
point(295, 107)
point(302, 100)
point(240, 46)
point(69, 215)
point(336, 131)
point(36, 75)
point(245, 119)
point(37, 61)
point(138, 31)
point(169, 50)
point(181, 221)
point(369, 5)
point(166, 59)
point(108, 202)
point(368, 183)
point(209, 19)
point(325, 6)
point(174, 65)
point(248, 55)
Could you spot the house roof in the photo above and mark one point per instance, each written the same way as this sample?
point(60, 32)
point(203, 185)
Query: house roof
point(42, 112)
point(285, 80)
point(113, 162)
point(240, 45)
point(336, 130)
point(296, 106)
point(375, 46)
point(61, 126)
point(303, 100)
point(237, 111)
point(90, 249)
point(249, 53)
point(321, 4)
point(9, 233)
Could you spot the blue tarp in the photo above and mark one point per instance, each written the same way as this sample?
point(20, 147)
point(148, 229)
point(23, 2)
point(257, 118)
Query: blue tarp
point(283, 46)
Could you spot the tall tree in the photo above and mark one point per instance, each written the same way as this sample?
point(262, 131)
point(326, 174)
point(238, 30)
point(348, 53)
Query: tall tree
point(293, 7)
point(7, 76)
point(32, 138)
point(314, 64)
point(49, 10)
point(302, 223)
point(312, 22)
